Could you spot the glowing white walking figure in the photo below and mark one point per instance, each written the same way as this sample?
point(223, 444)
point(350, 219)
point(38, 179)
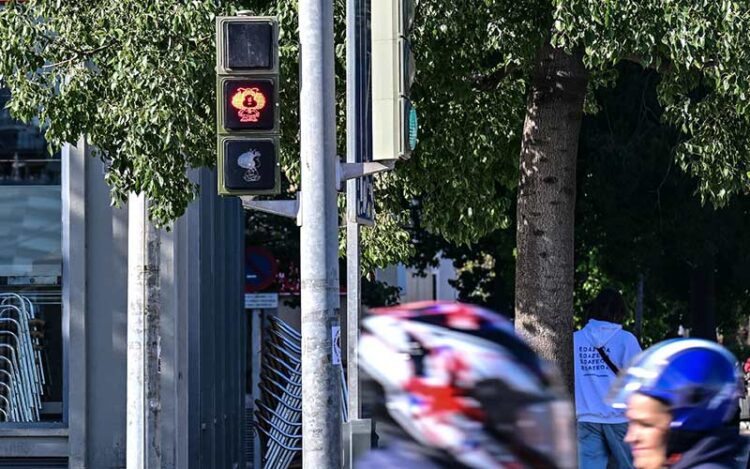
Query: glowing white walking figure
point(250, 160)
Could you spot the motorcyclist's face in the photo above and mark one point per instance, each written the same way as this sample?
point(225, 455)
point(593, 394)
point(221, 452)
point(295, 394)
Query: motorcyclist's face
point(648, 425)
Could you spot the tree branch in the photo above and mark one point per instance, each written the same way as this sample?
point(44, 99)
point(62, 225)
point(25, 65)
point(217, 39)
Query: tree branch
point(491, 81)
point(78, 55)
point(665, 66)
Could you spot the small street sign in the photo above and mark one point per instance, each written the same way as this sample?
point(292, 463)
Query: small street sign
point(365, 201)
point(336, 345)
point(261, 300)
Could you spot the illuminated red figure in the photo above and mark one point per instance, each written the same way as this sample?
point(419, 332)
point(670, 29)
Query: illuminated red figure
point(248, 102)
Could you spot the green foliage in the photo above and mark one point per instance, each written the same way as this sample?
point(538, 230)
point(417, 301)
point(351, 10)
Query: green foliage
point(465, 162)
point(471, 58)
point(636, 214)
point(472, 126)
point(376, 293)
point(485, 270)
point(702, 50)
point(137, 78)
point(133, 77)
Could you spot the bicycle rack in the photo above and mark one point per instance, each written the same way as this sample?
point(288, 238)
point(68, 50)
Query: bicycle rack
point(21, 370)
point(278, 413)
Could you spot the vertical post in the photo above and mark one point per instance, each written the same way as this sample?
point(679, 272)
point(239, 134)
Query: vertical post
point(75, 160)
point(256, 324)
point(321, 409)
point(143, 439)
point(353, 306)
point(353, 265)
point(359, 209)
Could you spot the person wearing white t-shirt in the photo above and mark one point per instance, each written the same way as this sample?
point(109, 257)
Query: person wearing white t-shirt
point(600, 349)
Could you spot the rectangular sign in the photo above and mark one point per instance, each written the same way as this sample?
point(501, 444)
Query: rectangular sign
point(360, 193)
point(365, 201)
point(336, 345)
point(261, 300)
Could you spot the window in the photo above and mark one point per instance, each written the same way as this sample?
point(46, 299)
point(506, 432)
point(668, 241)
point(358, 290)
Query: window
point(31, 349)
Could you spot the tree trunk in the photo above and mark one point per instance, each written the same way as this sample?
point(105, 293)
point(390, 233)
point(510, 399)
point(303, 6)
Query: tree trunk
point(546, 206)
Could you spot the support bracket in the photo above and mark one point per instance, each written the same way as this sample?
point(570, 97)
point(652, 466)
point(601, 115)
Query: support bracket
point(346, 171)
point(285, 208)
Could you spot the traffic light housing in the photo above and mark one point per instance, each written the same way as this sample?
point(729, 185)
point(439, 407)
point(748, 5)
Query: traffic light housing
point(394, 119)
point(247, 105)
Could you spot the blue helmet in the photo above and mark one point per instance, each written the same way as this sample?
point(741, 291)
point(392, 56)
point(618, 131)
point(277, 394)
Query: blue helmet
point(697, 379)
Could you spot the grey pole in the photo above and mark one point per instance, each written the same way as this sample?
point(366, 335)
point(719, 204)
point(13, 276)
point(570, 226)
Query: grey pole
point(143, 439)
point(353, 155)
point(321, 408)
point(353, 306)
point(359, 210)
point(256, 327)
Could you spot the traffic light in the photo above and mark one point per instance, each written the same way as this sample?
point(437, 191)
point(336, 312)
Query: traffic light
point(394, 119)
point(247, 109)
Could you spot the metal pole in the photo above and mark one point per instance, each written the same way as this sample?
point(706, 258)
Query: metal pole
point(353, 305)
point(360, 209)
point(256, 325)
point(321, 408)
point(143, 439)
point(353, 264)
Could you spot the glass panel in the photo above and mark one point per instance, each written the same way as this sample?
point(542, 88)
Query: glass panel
point(30, 274)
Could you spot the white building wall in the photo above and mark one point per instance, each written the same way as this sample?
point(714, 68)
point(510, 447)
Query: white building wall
point(434, 285)
point(445, 272)
point(202, 342)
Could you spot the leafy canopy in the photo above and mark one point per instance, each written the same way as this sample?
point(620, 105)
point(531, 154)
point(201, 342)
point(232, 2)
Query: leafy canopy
point(474, 62)
point(134, 77)
point(702, 49)
point(137, 78)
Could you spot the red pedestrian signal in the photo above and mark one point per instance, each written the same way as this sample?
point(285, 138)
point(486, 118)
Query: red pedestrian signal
point(249, 104)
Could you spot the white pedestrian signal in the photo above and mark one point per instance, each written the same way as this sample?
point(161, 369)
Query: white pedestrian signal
point(249, 164)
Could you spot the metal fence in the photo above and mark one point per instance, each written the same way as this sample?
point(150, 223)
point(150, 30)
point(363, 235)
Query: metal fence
point(21, 371)
point(279, 410)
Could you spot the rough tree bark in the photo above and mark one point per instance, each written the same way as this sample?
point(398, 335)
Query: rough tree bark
point(546, 205)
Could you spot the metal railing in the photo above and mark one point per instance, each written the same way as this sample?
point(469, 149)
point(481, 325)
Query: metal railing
point(21, 371)
point(279, 410)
